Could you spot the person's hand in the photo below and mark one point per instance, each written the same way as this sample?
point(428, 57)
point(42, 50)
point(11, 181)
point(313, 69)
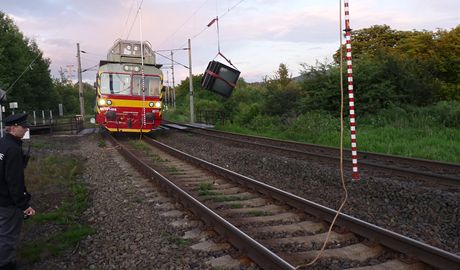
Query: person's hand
point(29, 211)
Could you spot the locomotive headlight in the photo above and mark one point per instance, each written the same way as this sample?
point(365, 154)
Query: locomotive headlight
point(158, 104)
point(109, 102)
point(151, 104)
point(101, 102)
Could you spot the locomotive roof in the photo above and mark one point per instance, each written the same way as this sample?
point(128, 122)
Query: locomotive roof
point(104, 62)
point(129, 51)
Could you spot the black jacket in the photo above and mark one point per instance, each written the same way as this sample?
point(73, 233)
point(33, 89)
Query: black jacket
point(12, 188)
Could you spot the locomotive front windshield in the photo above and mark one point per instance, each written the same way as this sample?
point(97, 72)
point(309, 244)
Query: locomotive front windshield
point(120, 84)
point(151, 86)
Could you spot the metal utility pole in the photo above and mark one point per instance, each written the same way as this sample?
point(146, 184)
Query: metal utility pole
point(80, 84)
point(192, 110)
point(173, 84)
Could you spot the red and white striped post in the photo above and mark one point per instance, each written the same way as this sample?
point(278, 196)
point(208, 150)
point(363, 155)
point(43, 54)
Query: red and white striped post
point(351, 98)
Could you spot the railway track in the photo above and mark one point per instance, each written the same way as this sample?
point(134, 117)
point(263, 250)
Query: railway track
point(432, 172)
point(275, 229)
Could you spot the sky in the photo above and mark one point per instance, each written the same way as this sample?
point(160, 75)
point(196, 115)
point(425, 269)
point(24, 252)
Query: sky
point(256, 35)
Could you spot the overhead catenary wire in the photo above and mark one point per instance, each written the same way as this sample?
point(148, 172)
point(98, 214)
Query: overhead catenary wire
point(199, 33)
point(220, 16)
point(134, 20)
point(156, 52)
point(184, 23)
point(90, 68)
point(127, 18)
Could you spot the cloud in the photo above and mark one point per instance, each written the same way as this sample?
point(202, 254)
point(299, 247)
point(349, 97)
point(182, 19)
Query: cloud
point(257, 35)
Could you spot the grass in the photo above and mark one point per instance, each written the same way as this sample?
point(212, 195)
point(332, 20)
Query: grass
point(258, 213)
point(41, 145)
point(172, 169)
point(157, 158)
point(57, 174)
point(182, 242)
point(228, 198)
point(411, 139)
point(179, 241)
point(206, 189)
point(208, 193)
point(138, 200)
point(138, 144)
point(102, 144)
point(69, 210)
point(236, 205)
point(203, 186)
point(54, 244)
point(422, 143)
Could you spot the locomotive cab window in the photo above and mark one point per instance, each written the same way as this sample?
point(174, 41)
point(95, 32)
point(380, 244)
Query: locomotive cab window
point(152, 86)
point(119, 84)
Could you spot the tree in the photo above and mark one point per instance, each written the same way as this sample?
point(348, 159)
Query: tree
point(447, 46)
point(405, 67)
point(320, 88)
point(282, 75)
point(34, 89)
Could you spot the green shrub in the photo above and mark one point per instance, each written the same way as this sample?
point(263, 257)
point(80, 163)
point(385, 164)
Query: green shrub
point(447, 113)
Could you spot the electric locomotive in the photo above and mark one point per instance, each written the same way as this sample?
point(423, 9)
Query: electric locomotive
point(129, 88)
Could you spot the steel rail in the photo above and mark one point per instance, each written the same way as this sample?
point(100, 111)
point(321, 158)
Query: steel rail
point(428, 254)
point(251, 248)
point(440, 179)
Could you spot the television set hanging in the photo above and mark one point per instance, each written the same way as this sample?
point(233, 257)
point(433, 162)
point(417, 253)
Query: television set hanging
point(220, 78)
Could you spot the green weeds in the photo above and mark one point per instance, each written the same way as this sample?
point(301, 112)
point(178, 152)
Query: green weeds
point(228, 198)
point(418, 133)
point(57, 175)
point(102, 143)
point(172, 169)
point(54, 244)
point(236, 205)
point(206, 189)
point(258, 213)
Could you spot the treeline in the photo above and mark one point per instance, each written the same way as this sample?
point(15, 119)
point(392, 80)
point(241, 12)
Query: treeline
point(35, 89)
point(401, 73)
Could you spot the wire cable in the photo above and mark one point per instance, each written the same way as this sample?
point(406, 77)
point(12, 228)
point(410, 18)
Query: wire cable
point(135, 17)
point(184, 23)
point(90, 68)
point(318, 255)
point(127, 18)
point(221, 16)
point(17, 79)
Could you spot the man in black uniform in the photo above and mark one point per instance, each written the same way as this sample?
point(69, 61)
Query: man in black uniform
point(14, 199)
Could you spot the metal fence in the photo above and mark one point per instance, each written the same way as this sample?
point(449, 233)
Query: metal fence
point(210, 117)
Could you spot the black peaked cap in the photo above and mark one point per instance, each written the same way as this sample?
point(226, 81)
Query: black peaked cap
point(19, 119)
